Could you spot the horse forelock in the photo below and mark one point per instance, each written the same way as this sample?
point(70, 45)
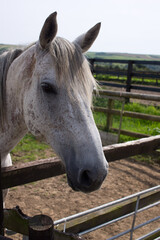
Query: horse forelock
point(72, 68)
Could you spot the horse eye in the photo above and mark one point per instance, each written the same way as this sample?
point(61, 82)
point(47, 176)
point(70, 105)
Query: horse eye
point(48, 88)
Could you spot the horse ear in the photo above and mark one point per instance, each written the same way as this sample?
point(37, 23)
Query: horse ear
point(86, 40)
point(48, 31)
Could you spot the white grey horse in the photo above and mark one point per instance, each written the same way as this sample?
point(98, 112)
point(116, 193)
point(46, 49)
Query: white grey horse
point(46, 89)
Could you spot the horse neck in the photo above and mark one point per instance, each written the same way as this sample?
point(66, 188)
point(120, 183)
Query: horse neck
point(18, 76)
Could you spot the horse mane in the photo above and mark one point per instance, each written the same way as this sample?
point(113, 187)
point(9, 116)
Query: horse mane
point(5, 61)
point(71, 64)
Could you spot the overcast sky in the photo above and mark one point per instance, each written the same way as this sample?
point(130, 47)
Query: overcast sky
point(131, 26)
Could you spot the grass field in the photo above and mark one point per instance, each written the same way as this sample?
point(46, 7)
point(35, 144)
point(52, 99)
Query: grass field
point(30, 149)
point(131, 124)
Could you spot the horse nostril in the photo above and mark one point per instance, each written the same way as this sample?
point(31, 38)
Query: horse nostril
point(85, 178)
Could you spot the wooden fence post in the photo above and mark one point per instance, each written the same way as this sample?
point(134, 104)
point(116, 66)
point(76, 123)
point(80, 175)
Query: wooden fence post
point(41, 227)
point(129, 78)
point(109, 114)
point(91, 61)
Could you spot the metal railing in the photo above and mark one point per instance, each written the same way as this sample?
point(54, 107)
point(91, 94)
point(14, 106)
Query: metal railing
point(112, 204)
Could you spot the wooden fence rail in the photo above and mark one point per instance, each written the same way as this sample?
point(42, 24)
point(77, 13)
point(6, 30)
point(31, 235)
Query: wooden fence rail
point(33, 171)
point(121, 94)
point(128, 74)
point(112, 95)
point(142, 116)
point(41, 169)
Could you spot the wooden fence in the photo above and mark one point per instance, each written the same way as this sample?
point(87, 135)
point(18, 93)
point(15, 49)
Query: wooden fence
point(41, 169)
point(110, 111)
point(126, 78)
point(33, 171)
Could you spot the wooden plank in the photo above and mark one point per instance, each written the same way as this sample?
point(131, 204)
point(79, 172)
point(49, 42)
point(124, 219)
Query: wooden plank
point(131, 148)
point(129, 114)
point(151, 236)
point(41, 169)
point(126, 61)
point(146, 75)
point(109, 72)
point(129, 133)
point(155, 82)
point(136, 87)
point(102, 216)
point(119, 85)
point(130, 95)
point(145, 88)
point(31, 171)
point(124, 73)
point(110, 60)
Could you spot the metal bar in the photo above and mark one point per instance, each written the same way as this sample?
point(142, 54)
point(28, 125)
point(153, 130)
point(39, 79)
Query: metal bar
point(118, 219)
point(149, 206)
point(147, 222)
point(105, 224)
point(128, 231)
point(134, 218)
point(119, 235)
point(149, 234)
point(69, 218)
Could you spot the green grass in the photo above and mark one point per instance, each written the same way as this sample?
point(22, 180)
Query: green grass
point(30, 149)
point(130, 124)
point(122, 79)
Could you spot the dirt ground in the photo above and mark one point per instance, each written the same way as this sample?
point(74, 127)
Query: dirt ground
point(55, 198)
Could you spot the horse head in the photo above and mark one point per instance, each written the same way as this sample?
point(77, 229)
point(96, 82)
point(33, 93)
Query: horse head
point(57, 105)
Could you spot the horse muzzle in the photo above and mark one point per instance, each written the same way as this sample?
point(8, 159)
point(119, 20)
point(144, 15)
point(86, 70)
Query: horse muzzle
point(87, 180)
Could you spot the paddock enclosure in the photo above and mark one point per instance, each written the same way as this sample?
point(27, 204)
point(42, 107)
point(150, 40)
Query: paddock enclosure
point(122, 97)
point(130, 194)
point(113, 152)
point(131, 75)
